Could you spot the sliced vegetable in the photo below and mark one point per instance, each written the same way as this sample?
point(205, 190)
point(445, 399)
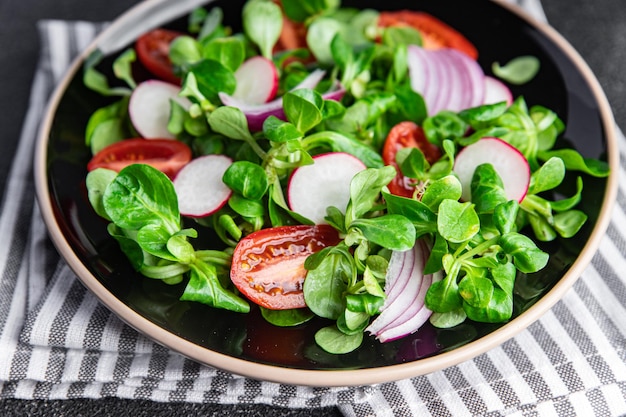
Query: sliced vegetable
point(199, 185)
point(325, 183)
point(406, 135)
point(149, 108)
point(446, 78)
point(435, 33)
point(153, 52)
point(257, 113)
point(496, 92)
point(166, 155)
point(406, 285)
point(268, 265)
point(257, 81)
point(507, 161)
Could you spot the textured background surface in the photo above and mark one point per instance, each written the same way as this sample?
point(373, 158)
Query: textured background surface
point(595, 28)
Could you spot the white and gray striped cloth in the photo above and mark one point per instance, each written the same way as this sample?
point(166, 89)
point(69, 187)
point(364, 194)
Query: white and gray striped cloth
point(58, 342)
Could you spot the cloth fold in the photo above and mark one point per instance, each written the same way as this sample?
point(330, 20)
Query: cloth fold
point(57, 340)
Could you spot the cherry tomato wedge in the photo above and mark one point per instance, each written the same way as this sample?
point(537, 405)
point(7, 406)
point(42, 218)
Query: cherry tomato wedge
point(292, 36)
point(153, 49)
point(406, 135)
point(166, 155)
point(268, 265)
point(435, 33)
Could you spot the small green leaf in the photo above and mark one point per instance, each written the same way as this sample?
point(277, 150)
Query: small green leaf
point(505, 215)
point(457, 222)
point(476, 291)
point(246, 207)
point(247, 179)
point(448, 187)
point(320, 35)
point(334, 341)
point(204, 287)
point(448, 319)
point(279, 131)
point(179, 246)
point(230, 122)
point(423, 218)
point(262, 22)
point(390, 231)
point(576, 162)
point(303, 108)
point(519, 70)
point(141, 195)
point(365, 190)
point(395, 36)
point(184, 51)
point(97, 181)
point(122, 67)
point(230, 52)
point(548, 176)
point(527, 257)
point(487, 189)
point(443, 296)
point(325, 285)
point(287, 318)
point(568, 223)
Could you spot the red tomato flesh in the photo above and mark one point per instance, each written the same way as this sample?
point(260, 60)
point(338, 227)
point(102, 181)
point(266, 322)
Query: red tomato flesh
point(435, 33)
point(153, 50)
point(268, 265)
point(166, 155)
point(406, 135)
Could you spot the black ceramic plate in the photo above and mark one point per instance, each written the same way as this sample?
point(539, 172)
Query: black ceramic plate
point(245, 344)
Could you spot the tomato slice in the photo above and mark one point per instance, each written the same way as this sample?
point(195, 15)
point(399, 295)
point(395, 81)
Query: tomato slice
point(435, 33)
point(268, 265)
point(166, 155)
point(153, 50)
point(292, 36)
point(406, 135)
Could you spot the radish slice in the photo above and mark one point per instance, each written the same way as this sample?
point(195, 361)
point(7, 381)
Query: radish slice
point(325, 183)
point(508, 162)
point(496, 92)
point(404, 310)
point(257, 80)
point(446, 79)
point(149, 108)
point(257, 113)
point(199, 186)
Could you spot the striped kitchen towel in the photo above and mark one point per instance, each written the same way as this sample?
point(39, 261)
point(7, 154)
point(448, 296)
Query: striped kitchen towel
point(57, 341)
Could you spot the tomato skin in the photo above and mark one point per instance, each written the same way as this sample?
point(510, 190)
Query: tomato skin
point(406, 135)
point(153, 52)
point(435, 33)
point(268, 265)
point(166, 155)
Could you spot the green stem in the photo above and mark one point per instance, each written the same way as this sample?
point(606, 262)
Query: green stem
point(478, 249)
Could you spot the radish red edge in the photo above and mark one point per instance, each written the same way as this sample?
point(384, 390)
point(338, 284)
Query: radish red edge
point(404, 310)
point(257, 80)
point(508, 162)
point(149, 108)
point(326, 182)
point(199, 186)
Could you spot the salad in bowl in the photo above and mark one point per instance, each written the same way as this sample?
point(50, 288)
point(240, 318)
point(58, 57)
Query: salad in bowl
point(360, 176)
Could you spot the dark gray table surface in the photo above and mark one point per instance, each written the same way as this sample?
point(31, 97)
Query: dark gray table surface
point(596, 28)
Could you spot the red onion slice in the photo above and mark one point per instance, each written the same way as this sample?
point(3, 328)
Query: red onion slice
point(446, 78)
point(404, 311)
